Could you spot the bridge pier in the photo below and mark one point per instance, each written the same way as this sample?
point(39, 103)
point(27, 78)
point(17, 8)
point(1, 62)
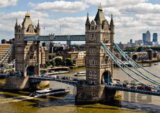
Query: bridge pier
point(89, 94)
point(21, 83)
point(38, 59)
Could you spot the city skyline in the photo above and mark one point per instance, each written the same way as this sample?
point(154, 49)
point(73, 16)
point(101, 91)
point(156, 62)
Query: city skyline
point(55, 17)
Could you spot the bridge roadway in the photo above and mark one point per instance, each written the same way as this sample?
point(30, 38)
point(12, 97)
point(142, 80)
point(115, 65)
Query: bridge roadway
point(120, 88)
point(74, 82)
point(56, 38)
point(62, 79)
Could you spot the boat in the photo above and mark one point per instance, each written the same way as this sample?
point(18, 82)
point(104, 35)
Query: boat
point(58, 70)
point(82, 73)
point(3, 75)
point(50, 91)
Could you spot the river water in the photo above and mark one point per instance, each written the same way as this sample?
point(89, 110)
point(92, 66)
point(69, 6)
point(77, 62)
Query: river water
point(20, 102)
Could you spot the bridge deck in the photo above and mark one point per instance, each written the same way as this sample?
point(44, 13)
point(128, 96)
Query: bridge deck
point(74, 82)
point(70, 81)
point(133, 90)
point(56, 38)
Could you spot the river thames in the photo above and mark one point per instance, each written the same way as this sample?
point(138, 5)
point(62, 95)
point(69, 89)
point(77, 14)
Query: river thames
point(20, 102)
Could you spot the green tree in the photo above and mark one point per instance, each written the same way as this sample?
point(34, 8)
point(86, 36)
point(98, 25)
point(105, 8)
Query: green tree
point(58, 61)
point(48, 63)
point(69, 62)
point(52, 62)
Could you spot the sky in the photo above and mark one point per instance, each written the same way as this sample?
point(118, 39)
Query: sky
point(131, 17)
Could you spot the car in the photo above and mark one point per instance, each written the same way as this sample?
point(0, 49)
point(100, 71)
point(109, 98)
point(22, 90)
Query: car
point(120, 84)
point(114, 83)
point(148, 88)
point(141, 86)
point(125, 83)
point(158, 89)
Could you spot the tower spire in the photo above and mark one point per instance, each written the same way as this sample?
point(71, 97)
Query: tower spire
point(87, 21)
point(16, 21)
point(100, 7)
point(27, 14)
point(38, 24)
point(112, 22)
point(100, 15)
point(16, 24)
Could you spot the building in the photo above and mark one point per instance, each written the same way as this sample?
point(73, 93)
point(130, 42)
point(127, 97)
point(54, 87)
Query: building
point(29, 55)
point(99, 67)
point(131, 41)
point(155, 37)
point(138, 42)
point(3, 50)
point(144, 38)
point(78, 57)
point(148, 36)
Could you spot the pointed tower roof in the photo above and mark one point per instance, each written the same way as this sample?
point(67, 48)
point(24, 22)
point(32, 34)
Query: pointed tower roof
point(27, 14)
point(16, 22)
point(87, 21)
point(27, 20)
point(100, 15)
point(38, 24)
point(112, 22)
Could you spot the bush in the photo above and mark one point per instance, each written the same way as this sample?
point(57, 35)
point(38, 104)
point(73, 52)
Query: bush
point(58, 61)
point(53, 62)
point(69, 62)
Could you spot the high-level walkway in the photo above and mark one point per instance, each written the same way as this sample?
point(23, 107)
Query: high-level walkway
point(56, 38)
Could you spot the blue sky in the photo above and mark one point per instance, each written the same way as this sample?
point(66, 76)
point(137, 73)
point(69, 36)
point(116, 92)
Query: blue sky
point(132, 17)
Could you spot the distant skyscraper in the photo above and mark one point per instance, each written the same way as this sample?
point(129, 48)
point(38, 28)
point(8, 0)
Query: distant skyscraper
point(155, 37)
point(131, 41)
point(148, 36)
point(144, 38)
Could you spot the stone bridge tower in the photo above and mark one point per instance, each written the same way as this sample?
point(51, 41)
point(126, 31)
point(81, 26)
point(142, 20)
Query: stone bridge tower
point(99, 68)
point(28, 55)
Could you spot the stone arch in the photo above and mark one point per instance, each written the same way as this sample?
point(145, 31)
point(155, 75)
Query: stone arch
point(31, 70)
point(106, 77)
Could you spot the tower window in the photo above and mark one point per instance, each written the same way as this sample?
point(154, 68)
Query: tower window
point(92, 27)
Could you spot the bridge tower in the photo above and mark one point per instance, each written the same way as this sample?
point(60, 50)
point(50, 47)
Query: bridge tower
point(99, 68)
point(27, 54)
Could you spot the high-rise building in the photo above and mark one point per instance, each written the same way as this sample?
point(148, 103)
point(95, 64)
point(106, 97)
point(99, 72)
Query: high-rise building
point(144, 37)
point(148, 36)
point(131, 41)
point(155, 37)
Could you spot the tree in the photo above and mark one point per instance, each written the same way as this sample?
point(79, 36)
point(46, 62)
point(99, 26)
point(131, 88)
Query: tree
point(52, 62)
point(69, 62)
point(48, 63)
point(58, 61)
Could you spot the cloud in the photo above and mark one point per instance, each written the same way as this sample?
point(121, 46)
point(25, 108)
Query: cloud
point(131, 17)
point(7, 21)
point(111, 3)
point(60, 6)
point(5, 3)
point(142, 8)
point(67, 25)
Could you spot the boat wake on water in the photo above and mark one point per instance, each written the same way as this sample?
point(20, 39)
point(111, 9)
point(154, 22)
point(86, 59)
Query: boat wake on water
point(49, 93)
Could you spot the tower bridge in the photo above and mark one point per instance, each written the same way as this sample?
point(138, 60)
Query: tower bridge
point(99, 38)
